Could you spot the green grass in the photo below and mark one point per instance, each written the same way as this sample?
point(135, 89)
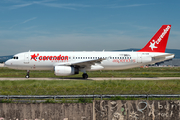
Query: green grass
point(135, 72)
point(86, 87)
point(83, 87)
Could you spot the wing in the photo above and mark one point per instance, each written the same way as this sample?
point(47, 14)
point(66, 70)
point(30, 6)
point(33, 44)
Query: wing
point(81, 64)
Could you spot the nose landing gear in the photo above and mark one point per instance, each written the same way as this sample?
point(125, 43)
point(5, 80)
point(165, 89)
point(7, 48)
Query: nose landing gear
point(27, 76)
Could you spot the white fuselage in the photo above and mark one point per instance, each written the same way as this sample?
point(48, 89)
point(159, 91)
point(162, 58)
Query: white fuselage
point(112, 60)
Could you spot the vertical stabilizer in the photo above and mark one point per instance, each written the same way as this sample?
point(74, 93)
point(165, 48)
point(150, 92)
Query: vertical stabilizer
point(159, 41)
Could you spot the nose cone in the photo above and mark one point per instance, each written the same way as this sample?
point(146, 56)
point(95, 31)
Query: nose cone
point(7, 63)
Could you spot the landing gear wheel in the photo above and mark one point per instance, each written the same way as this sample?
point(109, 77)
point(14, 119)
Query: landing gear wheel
point(85, 75)
point(27, 76)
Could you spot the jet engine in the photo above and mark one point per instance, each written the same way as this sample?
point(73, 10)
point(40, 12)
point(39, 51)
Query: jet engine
point(146, 59)
point(65, 70)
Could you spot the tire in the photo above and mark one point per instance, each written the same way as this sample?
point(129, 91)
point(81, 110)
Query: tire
point(85, 76)
point(26, 76)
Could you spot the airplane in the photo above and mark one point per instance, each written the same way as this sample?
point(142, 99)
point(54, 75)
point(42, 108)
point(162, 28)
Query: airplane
point(66, 63)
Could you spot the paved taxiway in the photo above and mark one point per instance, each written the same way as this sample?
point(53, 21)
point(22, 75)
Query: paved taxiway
point(1, 64)
point(155, 78)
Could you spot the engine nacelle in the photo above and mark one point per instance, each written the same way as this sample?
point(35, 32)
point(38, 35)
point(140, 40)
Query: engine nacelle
point(65, 70)
point(146, 59)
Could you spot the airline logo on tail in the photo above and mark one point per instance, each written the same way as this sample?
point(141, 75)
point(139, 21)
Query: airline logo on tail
point(152, 45)
point(163, 34)
point(159, 41)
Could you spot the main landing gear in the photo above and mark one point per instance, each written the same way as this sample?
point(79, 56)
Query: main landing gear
point(85, 75)
point(27, 76)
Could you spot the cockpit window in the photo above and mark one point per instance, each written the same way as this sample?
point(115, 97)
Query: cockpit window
point(15, 57)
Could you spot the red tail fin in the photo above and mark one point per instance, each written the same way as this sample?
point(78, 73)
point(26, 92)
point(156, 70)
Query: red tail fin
point(159, 41)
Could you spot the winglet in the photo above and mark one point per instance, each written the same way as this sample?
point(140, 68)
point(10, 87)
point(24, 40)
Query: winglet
point(159, 41)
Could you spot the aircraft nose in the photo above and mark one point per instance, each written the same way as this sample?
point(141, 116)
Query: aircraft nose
point(7, 63)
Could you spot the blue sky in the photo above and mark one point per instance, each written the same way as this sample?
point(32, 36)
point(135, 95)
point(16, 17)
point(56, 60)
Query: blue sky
point(84, 25)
